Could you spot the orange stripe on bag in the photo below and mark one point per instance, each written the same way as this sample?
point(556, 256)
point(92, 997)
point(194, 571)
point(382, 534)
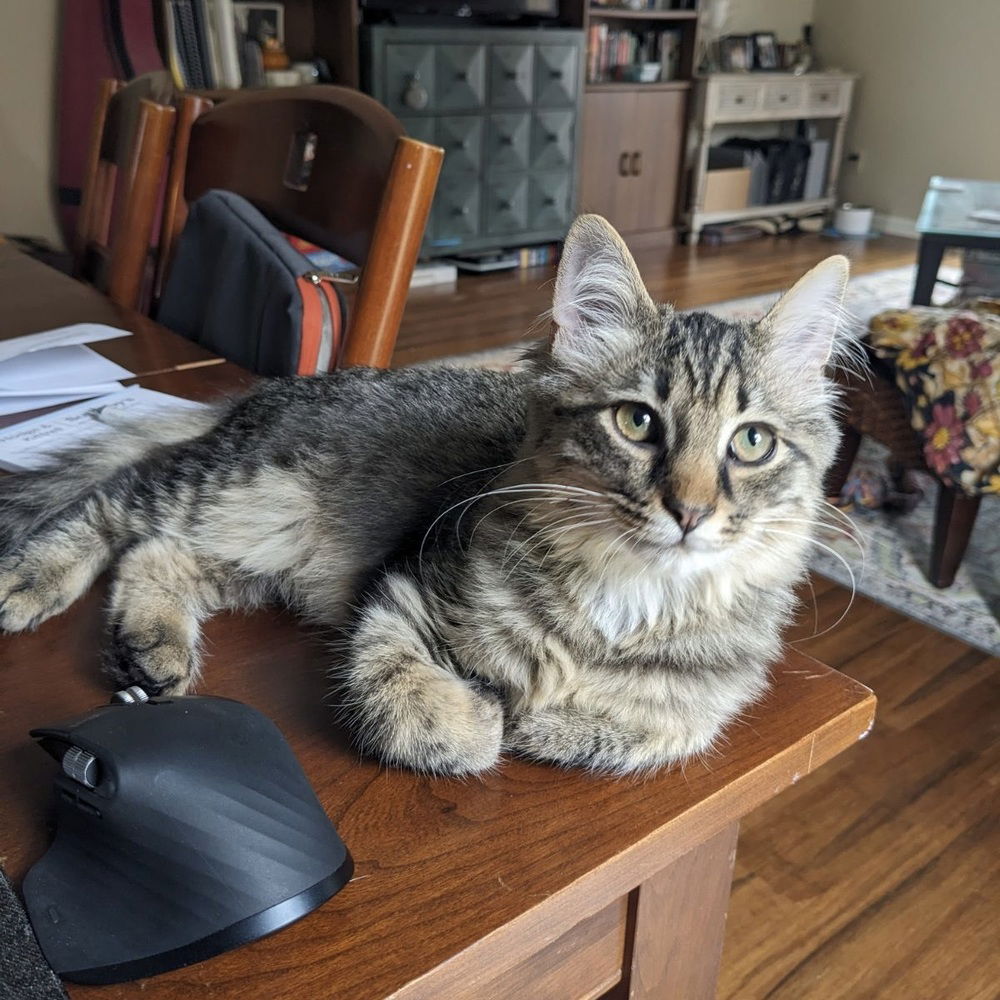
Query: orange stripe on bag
point(312, 327)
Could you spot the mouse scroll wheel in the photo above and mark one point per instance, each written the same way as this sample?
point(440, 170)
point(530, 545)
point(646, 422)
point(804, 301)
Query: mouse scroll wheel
point(82, 767)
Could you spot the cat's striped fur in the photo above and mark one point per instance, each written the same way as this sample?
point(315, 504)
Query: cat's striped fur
point(510, 570)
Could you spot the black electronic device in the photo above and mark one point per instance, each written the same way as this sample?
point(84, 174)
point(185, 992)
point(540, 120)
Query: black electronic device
point(184, 827)
point(470, 11)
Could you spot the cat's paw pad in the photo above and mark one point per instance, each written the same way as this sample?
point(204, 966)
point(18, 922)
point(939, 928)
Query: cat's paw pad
point(160, 658)
point(32, 590)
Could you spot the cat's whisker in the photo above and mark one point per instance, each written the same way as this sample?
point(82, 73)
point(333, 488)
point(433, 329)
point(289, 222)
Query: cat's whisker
point(574, 501)
point(836, 555)
point(544, 532)
point(553, 488)
point(850, 536)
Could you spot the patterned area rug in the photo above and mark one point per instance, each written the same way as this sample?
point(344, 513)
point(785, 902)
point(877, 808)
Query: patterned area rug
point(896, 547)
point(890, 564)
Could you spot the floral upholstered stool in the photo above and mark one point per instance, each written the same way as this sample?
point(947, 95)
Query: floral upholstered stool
point(937, 374)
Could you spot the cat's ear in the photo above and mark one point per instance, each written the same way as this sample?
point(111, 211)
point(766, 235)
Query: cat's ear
point(599, 296)
point(804, 323)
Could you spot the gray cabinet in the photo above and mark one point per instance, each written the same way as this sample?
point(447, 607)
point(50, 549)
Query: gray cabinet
point(504, 105)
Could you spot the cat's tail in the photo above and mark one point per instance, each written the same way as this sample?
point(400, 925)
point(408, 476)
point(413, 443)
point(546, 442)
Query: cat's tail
point(30, 499)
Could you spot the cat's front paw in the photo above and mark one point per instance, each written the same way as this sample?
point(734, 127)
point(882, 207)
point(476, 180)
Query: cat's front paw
point(33, 589)
point(159, 656)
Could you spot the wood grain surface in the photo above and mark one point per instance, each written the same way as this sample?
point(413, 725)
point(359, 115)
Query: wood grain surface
point(35, 297)
point(494, 310)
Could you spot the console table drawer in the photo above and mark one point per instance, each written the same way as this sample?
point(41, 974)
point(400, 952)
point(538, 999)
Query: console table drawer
point(827, 97)
point(781, 97)
point(736, 99)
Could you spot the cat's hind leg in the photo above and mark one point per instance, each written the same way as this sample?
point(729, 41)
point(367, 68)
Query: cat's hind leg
point(161, 594)
point(44, 573)
point(403, 698)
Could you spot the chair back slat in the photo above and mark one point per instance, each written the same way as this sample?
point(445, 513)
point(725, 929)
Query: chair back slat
point(125, 173)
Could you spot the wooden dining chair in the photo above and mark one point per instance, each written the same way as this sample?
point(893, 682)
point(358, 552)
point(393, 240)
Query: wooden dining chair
point(125, 174)
point(330, 165)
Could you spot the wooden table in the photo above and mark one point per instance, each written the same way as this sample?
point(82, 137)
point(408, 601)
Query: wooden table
point(530, 883)
point(36, 297)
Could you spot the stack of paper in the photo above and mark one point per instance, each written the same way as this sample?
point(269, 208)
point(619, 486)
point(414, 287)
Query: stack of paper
point(28, 445)
point(53, 367)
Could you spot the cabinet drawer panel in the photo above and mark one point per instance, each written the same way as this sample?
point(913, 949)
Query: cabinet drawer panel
point(508, 142)
point(460, 76)
point(826, 98)
point(735, 99)
point(461, 138)
point(457, 212)
point(507, 204)
point(548, 200)
point(552, 140)
point(511, 75)
point(555, 74)
point(784, 96)
point(409, 77)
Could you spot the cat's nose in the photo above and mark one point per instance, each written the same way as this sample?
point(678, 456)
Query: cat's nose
point(688, 517)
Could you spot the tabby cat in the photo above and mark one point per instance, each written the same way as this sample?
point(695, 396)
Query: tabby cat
point(587, 562)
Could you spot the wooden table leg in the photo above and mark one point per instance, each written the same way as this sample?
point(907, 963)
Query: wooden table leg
point(928, 264)
point(680, 922)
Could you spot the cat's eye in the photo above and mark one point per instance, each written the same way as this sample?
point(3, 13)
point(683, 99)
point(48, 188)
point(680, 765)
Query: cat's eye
point(636, 422)
point(752, 444)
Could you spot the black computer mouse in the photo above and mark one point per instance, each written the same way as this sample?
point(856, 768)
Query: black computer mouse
point(184, 827)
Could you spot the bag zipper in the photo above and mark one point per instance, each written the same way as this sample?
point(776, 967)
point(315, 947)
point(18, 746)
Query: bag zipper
point(346, 278)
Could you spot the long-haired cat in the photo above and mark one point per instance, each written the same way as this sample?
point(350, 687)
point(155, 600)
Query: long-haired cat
point(587, 562)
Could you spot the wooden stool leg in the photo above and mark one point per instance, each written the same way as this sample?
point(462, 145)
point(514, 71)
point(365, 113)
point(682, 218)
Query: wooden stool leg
point(850, 442)
point(953, 521)
point(680, 923)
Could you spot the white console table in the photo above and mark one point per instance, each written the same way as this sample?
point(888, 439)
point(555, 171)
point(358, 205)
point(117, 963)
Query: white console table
point(737, 98)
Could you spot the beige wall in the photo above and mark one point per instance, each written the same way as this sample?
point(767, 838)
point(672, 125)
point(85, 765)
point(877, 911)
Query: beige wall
point(27, 131)
point(928, 100)
point(784, 17)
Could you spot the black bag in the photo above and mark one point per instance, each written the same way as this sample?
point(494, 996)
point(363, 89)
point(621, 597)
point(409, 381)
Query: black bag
point(238, 288)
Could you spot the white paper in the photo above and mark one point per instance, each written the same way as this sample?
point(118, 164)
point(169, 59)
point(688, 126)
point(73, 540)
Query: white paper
point(78, 333)
point(26, 402)
point(26, 445)
point(60, 369)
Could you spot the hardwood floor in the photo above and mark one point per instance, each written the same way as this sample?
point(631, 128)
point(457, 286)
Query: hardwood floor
point(879, 875)
point(492, 310)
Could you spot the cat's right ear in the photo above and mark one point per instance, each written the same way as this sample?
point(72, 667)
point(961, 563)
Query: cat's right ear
point(599, 298)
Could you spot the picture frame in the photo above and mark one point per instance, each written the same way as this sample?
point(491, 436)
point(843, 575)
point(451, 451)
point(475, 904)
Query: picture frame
point(259, 20)
point(765, 45)
point(735, 54)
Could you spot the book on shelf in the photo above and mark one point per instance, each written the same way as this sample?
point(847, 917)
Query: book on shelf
point(620, 53)
point(207, 48)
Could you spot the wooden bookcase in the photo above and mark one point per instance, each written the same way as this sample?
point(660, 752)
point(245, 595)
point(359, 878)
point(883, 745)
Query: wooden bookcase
point(633, 134)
